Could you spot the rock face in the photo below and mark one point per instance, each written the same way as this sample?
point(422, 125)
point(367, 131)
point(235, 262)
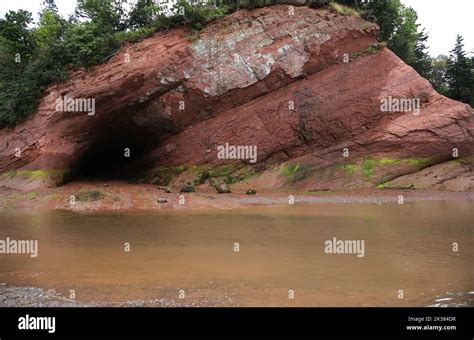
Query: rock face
point(303, 88)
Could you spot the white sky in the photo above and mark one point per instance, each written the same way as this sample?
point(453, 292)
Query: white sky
point(443, 21)
point(65, 7)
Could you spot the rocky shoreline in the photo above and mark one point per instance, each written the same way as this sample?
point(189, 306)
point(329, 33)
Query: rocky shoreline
point(12, 296)
point(120, 196)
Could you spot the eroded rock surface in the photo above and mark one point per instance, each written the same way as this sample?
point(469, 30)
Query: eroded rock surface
point(260, 78)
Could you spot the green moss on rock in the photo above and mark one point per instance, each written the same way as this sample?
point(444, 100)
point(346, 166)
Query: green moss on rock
point(368, 167)
point(371, 49)
point(349, 169)
point(24, 196)
point(229, 173)
point(58, 176)
point(89, 196)
point(290, 170)
point(404, 161)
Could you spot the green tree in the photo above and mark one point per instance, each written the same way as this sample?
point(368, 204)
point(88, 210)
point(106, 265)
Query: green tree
point(87, 43)
point(21, 92)
point(422, 61)
point(143, 14)
point(437, 76)
point(405, 38)
point(399, 28)
point(49, 4)
point(15, 37)
point(459, 73)
point(108, 14)
point(196, 15)
point(387, 15)
point(17, 48)
point(51, 28)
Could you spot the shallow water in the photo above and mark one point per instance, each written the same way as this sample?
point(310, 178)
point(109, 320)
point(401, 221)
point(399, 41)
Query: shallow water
point(407, 247)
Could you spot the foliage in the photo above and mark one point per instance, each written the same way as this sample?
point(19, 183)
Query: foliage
point(349, 169)
point(15, 37)
point(143, 14)
point(108, 14)
point(290, 170)
point(25, 68)
point(459, 74)
point(368, 167)
point(196, 15)
point(406, 41)
point(51, 27)
point(372, 49)
point(32, 58)
point(233, 5)
point(87, 44)
point(21, 93)
point(437, 76)
point(399, 28)
point(134, 36)
point(387, 15)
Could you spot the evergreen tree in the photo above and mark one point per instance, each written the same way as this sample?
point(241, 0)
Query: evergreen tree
point(459, 73)
point(422, 61)
point(405, 38)
point(387, 15)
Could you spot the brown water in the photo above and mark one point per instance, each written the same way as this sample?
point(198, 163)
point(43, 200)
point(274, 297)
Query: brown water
point(407, 247)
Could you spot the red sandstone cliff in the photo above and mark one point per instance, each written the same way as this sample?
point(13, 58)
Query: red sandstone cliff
point(262, 78)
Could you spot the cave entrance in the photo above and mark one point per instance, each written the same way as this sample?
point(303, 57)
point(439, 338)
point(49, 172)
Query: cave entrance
point(115, 152)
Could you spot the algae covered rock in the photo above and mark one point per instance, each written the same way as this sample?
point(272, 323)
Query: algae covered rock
point(222, 188)
point(188, 187)
point(88, 196)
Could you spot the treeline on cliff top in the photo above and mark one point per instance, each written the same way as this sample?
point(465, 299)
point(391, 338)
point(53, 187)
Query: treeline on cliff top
point(34, 55)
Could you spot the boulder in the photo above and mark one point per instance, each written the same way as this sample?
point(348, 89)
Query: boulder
point(222, 188)
point(187, 188)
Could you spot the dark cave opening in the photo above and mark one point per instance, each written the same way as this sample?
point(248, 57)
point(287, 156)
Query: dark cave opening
point(115, 152)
